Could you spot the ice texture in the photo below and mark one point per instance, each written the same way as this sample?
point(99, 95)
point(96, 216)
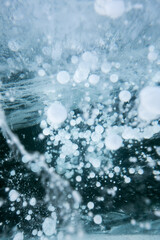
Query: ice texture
point(80, 84)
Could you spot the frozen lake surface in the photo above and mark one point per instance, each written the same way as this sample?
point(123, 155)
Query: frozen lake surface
point(79, 119)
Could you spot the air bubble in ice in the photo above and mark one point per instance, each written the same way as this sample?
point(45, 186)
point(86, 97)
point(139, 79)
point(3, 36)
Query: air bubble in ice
point(90, 205)
point(114, 78)
point(13, 46)
point(63, 77)
point(152, 55)
point(78, 179)
point(18, 236)
point(81, 73)
point(149, 107)
point(97, 219)
point(124, 96)
point(99, 129)
point(41, 73)
point(32, 201)
point(95, 162)
point(113, 141)
point(56, 113)
point(49, 226)
point(90, 60)
point(93, 79)
point(110, 8)
point(13, 195)
point(106, 67)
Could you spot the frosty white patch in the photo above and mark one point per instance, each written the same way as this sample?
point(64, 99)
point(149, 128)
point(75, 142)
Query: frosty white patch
point(56, 113)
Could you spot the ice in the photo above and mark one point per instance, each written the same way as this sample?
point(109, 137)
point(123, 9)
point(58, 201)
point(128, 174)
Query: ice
point(152, 55)
point(106, 67)
point(43, 124)
point(110, 8)
point(149, 107)
point(78, 179)
point(122, 236)
point(124, 96)
point(86, 75)
point(49, 226)
point(56, 113)
point(113, 141)
point(93, 79)
point(32, 201)
point(127, 179)
point(13, 195)
point(97, 219)
point(90, 60)
point(41, 72)
point(114, 78)
point(95, 162)
point(99, 129)
point(46, 131)
point(90, 205)
point(117, 169)
point(13, 46)
point(156, 77)
point(63, 77)
point(81, 73)
point(18, 236)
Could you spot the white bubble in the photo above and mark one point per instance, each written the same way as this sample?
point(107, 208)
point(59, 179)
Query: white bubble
point(95, 162)
point(41, 73)
point(74, 59)
point(127, 179)
point(49, 226)
point(124, 96)
point(99, 129)
point(114, 78)
point(82, 72)
point(90, 205)
point(106, 67)
point(156, 77)
point(110, 8)
point(152, 56)
point(13, 195)
point(93, 79)
point(13, 173)
point(96, 137)
point(110, 175)
point(32, 201)
point(97, 219)
point(28, 217)
point(18, 236)
point(113, 141)
point(34, 232)
point(140, 171)
point(56, 113)
point(131, 170)
point(149, 107)
point(76, 196)
point(157, 213)
point(117, 169)
point(90, 60)
point(151, 48)
point(78, 179)
point(63, 77)
point(46, 131)
point(43, 124)
point(13, 46)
